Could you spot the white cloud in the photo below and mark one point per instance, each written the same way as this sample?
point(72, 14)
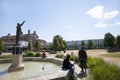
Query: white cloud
point(101, 25)
point(117, 23)
point(98, 13)
point(111, 14)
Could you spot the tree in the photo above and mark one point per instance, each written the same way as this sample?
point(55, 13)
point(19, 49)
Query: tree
point(1, 45)
point(37, 45)
point(90, 44)
point(58, 43)
point(51, 46)
point(30, 46)
point(65, 44)
point(83, 44)
point(94, 46)
point(62, 46)
point(108, 40)
point(75, 46)
point(117, 41)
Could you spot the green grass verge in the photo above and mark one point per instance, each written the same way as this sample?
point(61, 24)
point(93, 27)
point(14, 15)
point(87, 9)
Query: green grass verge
point(100, 70)
point(105, 72)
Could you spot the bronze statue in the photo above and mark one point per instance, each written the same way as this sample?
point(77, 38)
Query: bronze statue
point(18, 31)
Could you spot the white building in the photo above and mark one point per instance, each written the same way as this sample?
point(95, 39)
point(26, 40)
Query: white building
point(98, 42)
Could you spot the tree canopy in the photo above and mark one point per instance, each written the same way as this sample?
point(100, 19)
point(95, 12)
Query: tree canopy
point(117, 41)
point(83, 44)
point(75, 46)
point(30, 46)
point(58, 43)
point(90, 44)
point(37, 45)
point(108, 40)
point(1, 45)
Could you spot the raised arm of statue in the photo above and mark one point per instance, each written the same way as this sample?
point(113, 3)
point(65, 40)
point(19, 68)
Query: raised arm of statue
point(18, 31)
point(22, 23)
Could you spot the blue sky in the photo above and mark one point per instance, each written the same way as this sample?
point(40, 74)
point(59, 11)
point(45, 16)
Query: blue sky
point(72, 19)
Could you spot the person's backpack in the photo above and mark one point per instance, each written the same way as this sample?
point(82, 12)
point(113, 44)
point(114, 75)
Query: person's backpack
point(82, 54)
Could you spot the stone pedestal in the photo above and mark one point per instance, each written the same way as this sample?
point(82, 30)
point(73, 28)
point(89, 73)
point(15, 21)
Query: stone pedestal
point(16, 59)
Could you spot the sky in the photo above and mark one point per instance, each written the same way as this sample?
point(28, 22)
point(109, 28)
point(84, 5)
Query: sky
point(72, 19)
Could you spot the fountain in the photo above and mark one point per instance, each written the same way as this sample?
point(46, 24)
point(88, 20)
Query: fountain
point(35, 68)
point(29, 71)
point(17, 52)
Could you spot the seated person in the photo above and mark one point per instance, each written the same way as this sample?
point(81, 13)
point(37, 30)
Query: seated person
point(66, 63)
point(43, 55)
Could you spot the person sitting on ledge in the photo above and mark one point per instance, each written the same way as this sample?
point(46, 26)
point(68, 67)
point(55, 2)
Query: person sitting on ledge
point(67, 65)
point(44, 55)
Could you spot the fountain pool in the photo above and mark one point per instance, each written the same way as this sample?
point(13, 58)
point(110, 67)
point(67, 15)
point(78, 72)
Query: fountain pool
point(31, 68)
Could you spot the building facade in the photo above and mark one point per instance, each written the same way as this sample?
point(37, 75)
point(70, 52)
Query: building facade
point(97, 42)
point(10, 40)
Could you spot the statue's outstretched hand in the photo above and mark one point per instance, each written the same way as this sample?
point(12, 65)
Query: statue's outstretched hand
point(22, 23)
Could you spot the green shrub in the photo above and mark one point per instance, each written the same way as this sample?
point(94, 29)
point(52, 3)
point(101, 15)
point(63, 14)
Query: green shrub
point(5, 56)
point(24, 55)
point(73, 57)
point(38, 54)
point(30, 54)
point(59, 56)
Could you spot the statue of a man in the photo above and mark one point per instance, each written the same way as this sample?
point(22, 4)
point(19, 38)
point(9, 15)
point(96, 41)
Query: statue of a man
point(18, 31)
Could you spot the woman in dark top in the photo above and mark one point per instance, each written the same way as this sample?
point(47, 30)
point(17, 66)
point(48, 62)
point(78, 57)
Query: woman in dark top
point(66, 63)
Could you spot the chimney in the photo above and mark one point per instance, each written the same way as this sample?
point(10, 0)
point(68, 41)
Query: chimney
point(28, 31)
point(21, 33)
point(8, 34)
point(34, 32)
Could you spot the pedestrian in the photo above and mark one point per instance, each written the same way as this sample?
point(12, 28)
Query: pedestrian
point(65, 54)
point(82, 57)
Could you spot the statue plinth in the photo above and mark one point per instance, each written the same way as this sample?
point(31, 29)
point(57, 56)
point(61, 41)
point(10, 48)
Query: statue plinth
point(16, 59)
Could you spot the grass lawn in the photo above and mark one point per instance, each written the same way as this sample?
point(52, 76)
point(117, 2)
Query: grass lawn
point(115, 54)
